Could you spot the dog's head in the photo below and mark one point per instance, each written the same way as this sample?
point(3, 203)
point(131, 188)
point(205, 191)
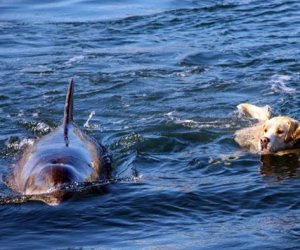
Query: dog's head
point(279, 133)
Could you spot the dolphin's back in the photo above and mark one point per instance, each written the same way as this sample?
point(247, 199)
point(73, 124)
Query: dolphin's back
point(65, 155)
point(50, 162)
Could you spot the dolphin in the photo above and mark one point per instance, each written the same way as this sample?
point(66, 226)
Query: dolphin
point(64, 156)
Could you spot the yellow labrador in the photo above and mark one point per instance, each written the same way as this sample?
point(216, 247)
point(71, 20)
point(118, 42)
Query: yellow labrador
point(268, 135)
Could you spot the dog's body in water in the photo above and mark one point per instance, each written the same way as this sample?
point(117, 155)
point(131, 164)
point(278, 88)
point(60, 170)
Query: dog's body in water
point(66, 155)
point(268, 135)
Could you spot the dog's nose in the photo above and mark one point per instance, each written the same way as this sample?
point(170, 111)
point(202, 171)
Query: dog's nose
point(264, 142)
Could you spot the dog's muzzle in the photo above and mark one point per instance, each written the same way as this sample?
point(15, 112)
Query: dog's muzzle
point(264, 141)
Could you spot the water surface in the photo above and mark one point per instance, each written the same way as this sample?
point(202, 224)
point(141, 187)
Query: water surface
point(164, 79)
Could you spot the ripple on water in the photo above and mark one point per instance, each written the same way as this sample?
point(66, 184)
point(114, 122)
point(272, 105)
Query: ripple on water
point(164, 79)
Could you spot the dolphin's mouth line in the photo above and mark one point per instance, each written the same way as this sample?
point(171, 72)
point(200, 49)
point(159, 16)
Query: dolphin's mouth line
point(67, 189)
point(83, 186)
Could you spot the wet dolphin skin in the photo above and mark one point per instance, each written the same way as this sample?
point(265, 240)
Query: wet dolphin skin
point(64, 156)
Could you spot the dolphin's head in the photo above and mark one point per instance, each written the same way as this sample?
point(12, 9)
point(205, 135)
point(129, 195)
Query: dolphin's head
point(49, 177)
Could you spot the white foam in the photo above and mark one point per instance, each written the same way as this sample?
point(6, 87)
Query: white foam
point(185, 122)
point(118, 122)
point(26, 142)
point(190, 71)
point(195, 124)
point(42, 128)
point(279, 84)
point(21, 113)
point(41, 69)
point(75, 59)
point(18, 145)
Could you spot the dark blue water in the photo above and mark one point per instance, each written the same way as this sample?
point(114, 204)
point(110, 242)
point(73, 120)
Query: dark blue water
point(163, 78)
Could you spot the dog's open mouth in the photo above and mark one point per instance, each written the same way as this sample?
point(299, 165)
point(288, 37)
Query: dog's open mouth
point(267, 149)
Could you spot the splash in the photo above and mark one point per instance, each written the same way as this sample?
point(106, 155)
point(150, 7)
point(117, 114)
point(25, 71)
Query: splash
point(14, 144)
point(86, 124)
point(42, 128)
point(39, 128)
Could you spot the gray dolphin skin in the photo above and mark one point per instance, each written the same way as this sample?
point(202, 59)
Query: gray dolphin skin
point(66, 155)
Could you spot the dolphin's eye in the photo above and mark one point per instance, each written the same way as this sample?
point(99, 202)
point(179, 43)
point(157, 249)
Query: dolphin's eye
point(279, 131)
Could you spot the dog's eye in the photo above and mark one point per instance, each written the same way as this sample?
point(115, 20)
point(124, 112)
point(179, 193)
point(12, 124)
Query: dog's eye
point(266, 130)
point(279, 131)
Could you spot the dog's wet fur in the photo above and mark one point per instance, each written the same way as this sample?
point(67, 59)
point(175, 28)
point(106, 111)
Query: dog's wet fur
point(66, 155)
point(268, 135)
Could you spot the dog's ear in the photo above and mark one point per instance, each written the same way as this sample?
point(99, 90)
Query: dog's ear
point(293, 131)
point(252, 111)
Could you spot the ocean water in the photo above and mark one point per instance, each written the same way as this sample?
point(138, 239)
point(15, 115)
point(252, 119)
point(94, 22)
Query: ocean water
point(158, 83)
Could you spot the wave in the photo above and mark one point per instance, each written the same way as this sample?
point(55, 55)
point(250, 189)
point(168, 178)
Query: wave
point(279, 84)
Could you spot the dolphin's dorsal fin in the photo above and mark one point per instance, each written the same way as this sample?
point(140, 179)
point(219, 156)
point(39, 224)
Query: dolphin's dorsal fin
point(68, 115)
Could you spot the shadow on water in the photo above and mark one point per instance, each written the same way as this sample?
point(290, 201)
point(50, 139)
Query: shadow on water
point(280, 166)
